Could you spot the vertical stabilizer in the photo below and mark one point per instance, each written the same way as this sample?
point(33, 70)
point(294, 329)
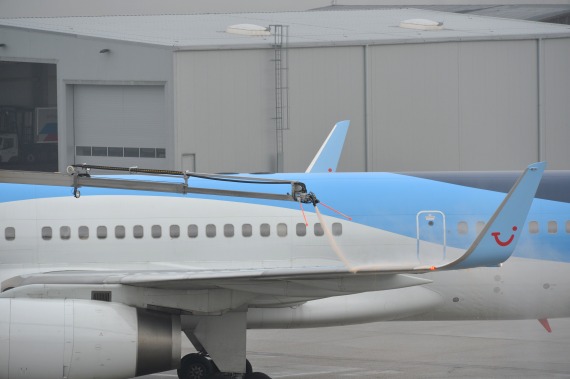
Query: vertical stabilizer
point(328, 155)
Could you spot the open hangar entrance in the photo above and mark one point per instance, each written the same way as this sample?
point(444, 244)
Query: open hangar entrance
point(28, 116)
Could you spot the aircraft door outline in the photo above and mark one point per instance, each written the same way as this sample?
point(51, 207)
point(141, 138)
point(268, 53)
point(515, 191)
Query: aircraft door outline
point(431, 236)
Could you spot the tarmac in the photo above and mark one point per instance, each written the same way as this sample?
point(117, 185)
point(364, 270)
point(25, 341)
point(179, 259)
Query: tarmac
point(442, 349)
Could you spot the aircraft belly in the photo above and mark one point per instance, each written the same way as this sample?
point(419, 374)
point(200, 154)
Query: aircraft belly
point(520, 289)
point(347, 310)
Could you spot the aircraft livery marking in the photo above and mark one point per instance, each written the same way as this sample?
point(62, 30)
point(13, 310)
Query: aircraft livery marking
point(506, 243)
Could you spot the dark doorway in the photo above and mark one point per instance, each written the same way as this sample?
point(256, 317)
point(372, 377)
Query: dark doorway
point(28, 116)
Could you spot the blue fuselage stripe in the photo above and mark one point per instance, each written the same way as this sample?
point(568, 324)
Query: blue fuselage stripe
point(385, 201)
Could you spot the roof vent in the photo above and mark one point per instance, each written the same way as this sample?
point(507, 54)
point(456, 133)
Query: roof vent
point(249, 30)
point(421, 24)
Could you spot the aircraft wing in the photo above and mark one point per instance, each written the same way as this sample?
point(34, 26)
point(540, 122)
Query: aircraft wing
point(205, 291)
point(195, 279)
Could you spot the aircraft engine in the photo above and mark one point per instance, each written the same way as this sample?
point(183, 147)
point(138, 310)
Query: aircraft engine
point(75, 339)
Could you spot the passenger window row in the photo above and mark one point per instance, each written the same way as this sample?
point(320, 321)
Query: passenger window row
point(533, 227)
point(193, 231)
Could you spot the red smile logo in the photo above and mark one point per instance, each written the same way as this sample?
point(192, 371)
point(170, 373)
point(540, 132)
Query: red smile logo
point(507, 242)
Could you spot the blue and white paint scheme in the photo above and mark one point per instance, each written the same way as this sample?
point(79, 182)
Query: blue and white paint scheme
point(102, 285)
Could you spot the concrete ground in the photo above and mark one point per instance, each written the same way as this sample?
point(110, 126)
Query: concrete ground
point(459, 349)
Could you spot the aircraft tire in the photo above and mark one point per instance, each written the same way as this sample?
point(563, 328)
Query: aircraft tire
point(195, 366)
point(256, 375)
point(218, 375)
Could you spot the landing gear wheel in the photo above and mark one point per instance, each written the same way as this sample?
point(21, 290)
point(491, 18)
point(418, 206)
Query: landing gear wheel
point(256, 375)
point(218, 375)
point(248, 367)
point(195, 366)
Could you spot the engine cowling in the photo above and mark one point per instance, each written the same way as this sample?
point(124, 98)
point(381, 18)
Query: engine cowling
point(76, 339)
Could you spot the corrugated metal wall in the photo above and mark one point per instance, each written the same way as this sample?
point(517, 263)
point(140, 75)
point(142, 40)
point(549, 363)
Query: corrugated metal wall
point(556, 106)
point(432, 106)
point(326, 85)
point(224, 109)
point(454, 106)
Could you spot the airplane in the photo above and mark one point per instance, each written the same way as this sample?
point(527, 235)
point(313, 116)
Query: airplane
point(100, 274)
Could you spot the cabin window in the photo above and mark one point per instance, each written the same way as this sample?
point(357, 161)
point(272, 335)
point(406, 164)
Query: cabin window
point(336, 229)
point(246, 230)
point(174, 231)
point(156, 231)
point(10, 233)
point(462, 227)
point(318, 228)
point(83, 232)
point(192, 231)
point(46, 233)
point(301, 229)
point(101, 232)
point(282, 230)
point(138, 231)
point(120, 232)
point(479, 226)
point(264, 230)
point(552, 227)
point(210, 230)
point(228, 230)
point(533, 227)
point(65, 232)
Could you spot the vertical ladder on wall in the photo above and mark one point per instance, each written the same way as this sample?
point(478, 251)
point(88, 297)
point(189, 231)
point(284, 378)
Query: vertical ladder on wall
point(281, 60)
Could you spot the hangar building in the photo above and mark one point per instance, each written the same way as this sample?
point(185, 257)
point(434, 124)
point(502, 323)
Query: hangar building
point(185, 92)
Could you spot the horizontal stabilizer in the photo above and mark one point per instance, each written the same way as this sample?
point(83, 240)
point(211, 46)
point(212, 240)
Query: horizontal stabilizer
point(328, 155)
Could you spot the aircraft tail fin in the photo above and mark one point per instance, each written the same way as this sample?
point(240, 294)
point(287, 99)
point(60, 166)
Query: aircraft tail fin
point(328, 155)
point(497, 241)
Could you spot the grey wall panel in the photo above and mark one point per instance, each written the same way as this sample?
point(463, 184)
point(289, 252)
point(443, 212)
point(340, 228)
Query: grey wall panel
point(556, 73)
point(414, 107)
point(454, 106)
point(498, 105)
point(326, 85)
point(224, 109)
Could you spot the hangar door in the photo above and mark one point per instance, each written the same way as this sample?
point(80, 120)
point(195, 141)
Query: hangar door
point(120, 125)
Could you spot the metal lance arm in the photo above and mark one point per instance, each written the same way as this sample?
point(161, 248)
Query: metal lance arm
point(80, 176)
